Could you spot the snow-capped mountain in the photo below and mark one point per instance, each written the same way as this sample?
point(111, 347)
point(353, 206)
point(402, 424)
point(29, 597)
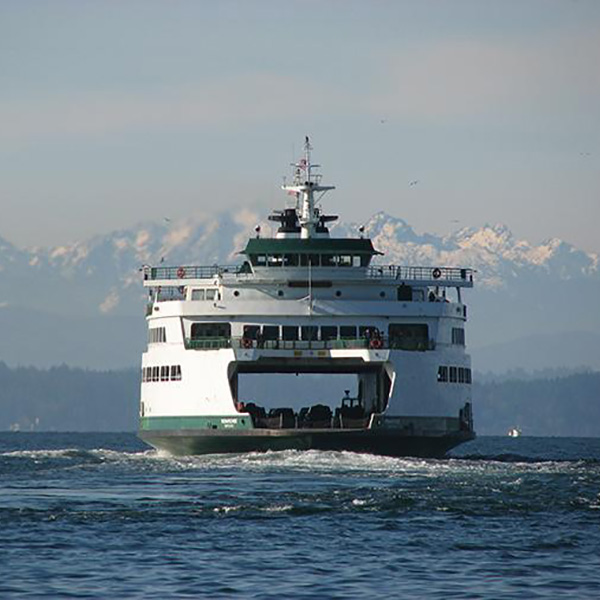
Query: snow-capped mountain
point(521, 288)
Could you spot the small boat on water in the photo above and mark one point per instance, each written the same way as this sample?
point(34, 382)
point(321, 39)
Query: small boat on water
point(307, 303)
point(514, 432)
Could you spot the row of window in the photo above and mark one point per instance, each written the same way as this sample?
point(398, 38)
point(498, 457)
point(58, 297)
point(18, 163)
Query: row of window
point(303, 260)
point(454, 374)
point(397, 331)
point(163, 373)
point(205, 294)
point(157, 335)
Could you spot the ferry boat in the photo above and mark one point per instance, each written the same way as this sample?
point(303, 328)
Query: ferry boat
point(307, 303)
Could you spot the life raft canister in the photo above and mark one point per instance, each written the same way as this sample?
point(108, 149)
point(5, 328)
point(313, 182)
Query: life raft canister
point(437, 273)
point(376, 344)
point(180, 273)
point(247, 343)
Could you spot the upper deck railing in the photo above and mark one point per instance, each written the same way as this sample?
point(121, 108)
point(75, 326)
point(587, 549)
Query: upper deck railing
point(443, 275)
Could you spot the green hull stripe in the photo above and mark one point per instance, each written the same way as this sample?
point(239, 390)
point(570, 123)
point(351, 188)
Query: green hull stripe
point(213, 422)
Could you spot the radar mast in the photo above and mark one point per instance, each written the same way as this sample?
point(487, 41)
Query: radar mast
point(304, 186)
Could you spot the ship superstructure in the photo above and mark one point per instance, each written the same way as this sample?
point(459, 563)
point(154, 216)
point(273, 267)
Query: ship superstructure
point(305, 302)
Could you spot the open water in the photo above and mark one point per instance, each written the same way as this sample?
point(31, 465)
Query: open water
point(103, 516)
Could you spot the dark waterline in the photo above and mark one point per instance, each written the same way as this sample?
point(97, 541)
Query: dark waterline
point(104, 516)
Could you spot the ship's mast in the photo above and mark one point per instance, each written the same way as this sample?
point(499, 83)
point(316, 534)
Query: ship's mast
point(304, 187)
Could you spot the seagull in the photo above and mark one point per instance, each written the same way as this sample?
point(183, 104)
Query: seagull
point(167, 220)
point(413, 182)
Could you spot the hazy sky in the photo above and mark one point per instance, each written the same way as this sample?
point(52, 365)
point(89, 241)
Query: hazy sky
point(113, 113)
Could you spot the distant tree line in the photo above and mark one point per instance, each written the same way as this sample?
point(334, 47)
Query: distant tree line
point(67, 399)
point(70, 399)
point(561, 406)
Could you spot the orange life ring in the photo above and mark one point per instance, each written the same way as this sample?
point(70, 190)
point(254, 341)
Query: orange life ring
point(180, 273)
point(437, 273)
point(376, 344)
point(247, 343)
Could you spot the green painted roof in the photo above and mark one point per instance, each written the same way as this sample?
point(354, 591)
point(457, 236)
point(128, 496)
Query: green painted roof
point(309, 246)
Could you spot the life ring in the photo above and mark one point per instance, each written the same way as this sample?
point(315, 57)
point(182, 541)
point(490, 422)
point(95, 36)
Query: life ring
point(376, 344)
point(437, 273)
point(246, 342)
point(180, 273)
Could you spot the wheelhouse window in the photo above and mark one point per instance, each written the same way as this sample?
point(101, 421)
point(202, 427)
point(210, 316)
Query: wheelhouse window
point(258, 260)
point(198, 295)
point(314, 259)
point(175, 372)
point(275, 260)
point(290, 260)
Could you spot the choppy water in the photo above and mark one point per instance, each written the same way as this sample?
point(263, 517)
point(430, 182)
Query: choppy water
point(102, 516)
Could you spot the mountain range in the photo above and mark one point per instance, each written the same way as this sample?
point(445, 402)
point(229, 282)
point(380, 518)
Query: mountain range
point(82, 303)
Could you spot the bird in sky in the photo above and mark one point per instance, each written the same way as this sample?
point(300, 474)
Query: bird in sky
point(413, 182)
point(167, 220)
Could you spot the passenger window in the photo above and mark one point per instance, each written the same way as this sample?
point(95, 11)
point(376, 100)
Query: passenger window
point(345, 261)
point(197, 294)
point(290, 332)
point(270, 332)
point(348, 332)
point(210, 330)
point(368, 331)
point(309, 333)
point(329, 332)
point(251, 331)
point(442, 374)
point(461, 375)
point(453, 375)
point(327, 260)
point(211, 294)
